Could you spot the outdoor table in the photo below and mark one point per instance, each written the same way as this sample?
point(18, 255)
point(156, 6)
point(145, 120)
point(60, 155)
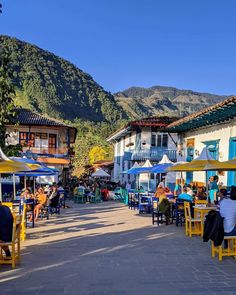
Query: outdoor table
point(202, 211)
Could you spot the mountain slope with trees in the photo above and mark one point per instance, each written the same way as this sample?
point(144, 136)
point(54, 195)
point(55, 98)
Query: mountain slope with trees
point(159, 100)
point(51, 85)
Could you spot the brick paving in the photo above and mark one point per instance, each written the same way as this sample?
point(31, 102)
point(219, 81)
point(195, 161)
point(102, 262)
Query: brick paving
point(107, 249)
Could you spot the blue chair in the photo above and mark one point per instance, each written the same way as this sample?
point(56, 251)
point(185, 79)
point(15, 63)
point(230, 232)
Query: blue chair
point(179, 212)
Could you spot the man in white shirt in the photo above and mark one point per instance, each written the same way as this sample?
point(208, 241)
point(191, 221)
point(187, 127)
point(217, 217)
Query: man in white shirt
point(228, 212)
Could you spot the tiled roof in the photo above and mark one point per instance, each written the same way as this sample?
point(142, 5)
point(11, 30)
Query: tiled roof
point(27, 117)
point(153, 121)
point(159, 122)
point(217, 113)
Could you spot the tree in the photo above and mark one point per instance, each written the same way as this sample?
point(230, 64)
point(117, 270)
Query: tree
point(7, 94)
point(97, 153)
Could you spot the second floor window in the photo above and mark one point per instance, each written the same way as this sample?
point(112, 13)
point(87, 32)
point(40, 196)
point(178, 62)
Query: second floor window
point(159, 140)
point(27, 139)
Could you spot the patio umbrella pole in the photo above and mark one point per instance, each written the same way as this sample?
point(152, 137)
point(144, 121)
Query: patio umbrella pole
point(181, 181)
point(14, 187)
point(25, 182)
point(34, 184)
point(0, 187)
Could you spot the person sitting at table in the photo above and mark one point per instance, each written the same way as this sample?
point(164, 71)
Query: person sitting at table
point(168, 192)
point(53, 199)
point(201, 195)
point(160, 192)
point(223, 193)
point(185, 196)
point(26, 194)
point(6, 225)
point(228, 212)
point(189, 190)
point(42, 200)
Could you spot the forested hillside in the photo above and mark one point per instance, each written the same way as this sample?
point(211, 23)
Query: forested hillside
point(159, 100)
point(51, 85)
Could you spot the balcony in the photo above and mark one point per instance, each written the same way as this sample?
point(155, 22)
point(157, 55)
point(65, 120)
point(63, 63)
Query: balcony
point(153, 154)
point(43, 151)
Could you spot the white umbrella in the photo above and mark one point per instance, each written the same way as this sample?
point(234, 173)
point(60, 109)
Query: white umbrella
point(100, 173)
point(147, 164)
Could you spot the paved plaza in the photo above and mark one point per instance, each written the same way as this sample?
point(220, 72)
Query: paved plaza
point(108, 249)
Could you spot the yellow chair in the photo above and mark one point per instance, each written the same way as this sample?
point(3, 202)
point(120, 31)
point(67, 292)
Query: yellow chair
point(229, 251)
point(201, 202)
point(8, 204)
point(14, 244)
point(192, 225)
point(23, 223)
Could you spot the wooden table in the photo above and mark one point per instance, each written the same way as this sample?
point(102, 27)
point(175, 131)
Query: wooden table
point(202, 211)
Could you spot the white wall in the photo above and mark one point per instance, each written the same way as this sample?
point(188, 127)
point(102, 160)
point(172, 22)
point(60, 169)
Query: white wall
point(222, 132)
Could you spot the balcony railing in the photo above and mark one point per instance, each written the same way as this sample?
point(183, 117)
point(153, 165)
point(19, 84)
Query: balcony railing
point(154, 154)
point(63, 151)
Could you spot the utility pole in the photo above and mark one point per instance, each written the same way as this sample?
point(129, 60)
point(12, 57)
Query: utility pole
point(0, 8)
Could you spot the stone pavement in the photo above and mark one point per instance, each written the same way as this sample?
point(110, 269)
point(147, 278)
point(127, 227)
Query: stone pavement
point(107, 249)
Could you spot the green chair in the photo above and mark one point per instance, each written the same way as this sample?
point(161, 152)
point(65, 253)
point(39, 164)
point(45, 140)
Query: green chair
point(97, 198)
point(80, 198)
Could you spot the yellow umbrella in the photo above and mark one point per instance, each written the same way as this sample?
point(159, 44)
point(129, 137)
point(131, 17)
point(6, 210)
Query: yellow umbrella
point(229, 165)
point(8, 166)
point(203, 163)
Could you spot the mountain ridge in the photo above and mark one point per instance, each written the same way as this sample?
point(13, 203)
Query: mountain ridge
point(56, 87)
point(159, 100)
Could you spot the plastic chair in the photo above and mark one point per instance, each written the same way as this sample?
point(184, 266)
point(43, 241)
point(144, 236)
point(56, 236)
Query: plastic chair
point(97, 198)
point(230, 250)
point(80, 196)
point(23, 224)
point(201, 202)
point(14, 244)
point(192, 225)
point(179, 212)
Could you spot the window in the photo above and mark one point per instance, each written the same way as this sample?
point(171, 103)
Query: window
point(41, 140)
point(27, 139)
point(153, 140)
point(165, 140)
point(159, 140)
point(52, 141)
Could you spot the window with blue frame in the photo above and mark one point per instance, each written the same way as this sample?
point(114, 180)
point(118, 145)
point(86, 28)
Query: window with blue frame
point(232, 154)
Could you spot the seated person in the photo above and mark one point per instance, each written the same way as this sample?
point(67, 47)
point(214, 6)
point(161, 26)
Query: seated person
point(201, 195)
point(42, 200)
point(6, 225)
point(228, 212)
point(26, 194)
point(160, 192)
point(185, 196)
point(189, 190)
point(54, 197)
point(164, 207)
point(223, 193)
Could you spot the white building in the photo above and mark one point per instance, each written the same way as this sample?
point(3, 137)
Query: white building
point(213, 127)
point(142, 140)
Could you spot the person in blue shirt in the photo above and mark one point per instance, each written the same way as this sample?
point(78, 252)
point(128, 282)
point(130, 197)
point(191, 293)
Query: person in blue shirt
point(185, 196)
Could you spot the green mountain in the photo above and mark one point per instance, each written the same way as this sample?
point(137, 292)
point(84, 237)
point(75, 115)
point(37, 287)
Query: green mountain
point(51, 85)
point(159, 100)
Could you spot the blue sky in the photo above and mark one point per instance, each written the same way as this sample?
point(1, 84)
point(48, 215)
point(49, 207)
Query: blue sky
point(189, 44)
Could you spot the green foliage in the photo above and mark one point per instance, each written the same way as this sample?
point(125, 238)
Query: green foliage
point(90, 135)
point(7, 95)
point(54, 86)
